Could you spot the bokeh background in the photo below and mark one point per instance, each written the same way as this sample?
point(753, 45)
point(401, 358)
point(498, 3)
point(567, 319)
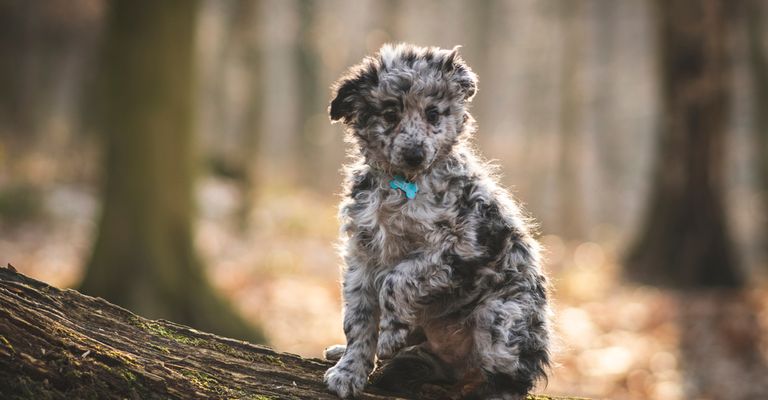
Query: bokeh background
point(175, 157)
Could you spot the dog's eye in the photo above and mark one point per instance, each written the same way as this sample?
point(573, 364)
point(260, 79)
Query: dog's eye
point(433, 116)
point(391, 117)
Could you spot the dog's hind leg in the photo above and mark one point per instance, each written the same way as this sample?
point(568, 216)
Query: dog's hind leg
point(511, 343)
point(411, 368)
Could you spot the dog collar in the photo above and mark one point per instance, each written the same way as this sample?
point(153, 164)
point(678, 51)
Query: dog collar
point(409, 188)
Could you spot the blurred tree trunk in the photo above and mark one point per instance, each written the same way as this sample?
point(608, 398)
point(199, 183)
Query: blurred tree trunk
point(607, 129)
point(246, 38)
point(253, 116)
point(308, 96)
point(571, 208)
point(685, 240)
point(45, 58)
point(755, 14)
point(144, 257)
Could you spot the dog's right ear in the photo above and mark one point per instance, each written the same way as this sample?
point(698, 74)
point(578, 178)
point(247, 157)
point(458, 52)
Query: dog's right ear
point(349, 91)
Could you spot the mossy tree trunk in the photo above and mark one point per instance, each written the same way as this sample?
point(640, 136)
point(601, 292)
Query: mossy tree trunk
point(144, 258)
point(685, 240)
point(59, 344)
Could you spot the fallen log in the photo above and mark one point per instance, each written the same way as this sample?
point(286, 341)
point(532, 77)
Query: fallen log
point(60, 344)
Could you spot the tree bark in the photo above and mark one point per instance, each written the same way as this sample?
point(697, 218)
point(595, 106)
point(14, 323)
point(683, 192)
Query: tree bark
point(60, 344)
point(756, 33)
point(685, 242)
point(144, 257)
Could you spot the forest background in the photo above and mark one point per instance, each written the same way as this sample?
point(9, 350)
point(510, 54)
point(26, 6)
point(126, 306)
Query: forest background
point(176, 158)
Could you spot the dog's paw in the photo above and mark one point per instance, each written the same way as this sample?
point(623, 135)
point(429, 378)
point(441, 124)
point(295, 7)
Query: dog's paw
point(335, 352)
point(391, 341)
point(345, 381)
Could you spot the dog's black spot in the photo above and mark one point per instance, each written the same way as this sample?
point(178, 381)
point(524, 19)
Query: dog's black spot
point(364, 238)
point(399, 326)
point(493, 231)
point(365, 112)
point(361, 137)
point(466, 203)
point(540, 290)
point(348, 327)
point(361, 183)
point(351, 289)
point(409, 58)
point(534, 359)
point(503, 383)
point(342, 106)
point(466, 80)
point(410, 369)
point(357, 316)
point(434, 59)
point(495, 334)
point(535, 323)
point(390, 284)
point(430, 300)
point(438, 95)
point(449, 63)
point(464, 269)
point(388, 131)
point(497, 318)
point(348, 96)
point(519, 246)
point(403, 85)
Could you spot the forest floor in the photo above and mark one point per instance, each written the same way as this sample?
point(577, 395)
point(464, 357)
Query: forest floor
point(613, 340)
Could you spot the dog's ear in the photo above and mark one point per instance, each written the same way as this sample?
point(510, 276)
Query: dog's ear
point(348, 91)
point(456, 69)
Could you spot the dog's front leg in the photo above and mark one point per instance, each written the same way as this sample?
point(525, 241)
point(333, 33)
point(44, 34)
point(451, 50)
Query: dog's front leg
point(350, 374)
point(409, 287)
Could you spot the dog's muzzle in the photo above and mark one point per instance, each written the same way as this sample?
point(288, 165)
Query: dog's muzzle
point(414, 156)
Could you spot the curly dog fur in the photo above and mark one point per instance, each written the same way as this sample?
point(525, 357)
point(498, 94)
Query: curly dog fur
point(452, 277)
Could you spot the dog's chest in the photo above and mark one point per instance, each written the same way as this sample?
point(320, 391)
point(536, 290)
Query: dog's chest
point(394, 227)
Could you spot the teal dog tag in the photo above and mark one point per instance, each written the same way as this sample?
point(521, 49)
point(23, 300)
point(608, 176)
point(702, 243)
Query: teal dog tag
point(409, 188)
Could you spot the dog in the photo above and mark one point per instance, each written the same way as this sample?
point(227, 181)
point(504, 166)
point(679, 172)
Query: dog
point(442, 279)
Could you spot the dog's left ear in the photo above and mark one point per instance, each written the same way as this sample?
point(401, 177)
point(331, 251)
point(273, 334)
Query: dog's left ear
point(348, 91)
point(457, 70)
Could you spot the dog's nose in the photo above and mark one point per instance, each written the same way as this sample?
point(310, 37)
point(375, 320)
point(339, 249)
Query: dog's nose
point(413, 156)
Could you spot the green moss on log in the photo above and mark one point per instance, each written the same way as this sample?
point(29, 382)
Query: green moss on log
point(59, 344)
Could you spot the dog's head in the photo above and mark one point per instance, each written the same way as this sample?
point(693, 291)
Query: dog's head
point(406, 106)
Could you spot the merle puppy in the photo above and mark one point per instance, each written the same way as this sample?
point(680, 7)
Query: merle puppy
point(442, 275)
